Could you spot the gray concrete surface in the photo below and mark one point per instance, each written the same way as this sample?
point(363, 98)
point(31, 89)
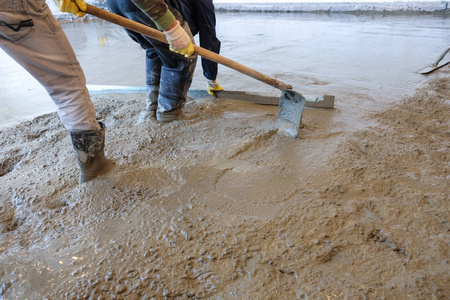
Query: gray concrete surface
point(366, 61)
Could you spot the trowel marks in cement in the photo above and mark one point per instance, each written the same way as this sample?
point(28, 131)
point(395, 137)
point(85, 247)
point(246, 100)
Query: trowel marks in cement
point(290, 112)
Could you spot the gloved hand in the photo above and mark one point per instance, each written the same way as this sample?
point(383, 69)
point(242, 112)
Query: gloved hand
point(75, 7)
point(213, 86)
point(179, 40)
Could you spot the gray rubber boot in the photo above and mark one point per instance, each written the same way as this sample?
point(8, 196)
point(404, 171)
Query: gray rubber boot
point(89, 148)
point(152, 93)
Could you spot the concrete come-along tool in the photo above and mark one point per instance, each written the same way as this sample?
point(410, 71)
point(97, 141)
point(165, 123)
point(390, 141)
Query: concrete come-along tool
point(436, 65)
point(290, 105)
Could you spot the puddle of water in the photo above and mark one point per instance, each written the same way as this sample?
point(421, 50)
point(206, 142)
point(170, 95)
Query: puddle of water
point(368, 59)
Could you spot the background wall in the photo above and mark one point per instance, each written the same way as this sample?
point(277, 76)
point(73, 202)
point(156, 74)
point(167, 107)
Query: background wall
point(376, 6)
point(321, 1)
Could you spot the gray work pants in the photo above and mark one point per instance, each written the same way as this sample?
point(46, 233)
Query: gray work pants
point(42, 48)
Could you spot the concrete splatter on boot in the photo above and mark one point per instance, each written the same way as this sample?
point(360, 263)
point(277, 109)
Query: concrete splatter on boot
point(89, 148)
point(152, 93)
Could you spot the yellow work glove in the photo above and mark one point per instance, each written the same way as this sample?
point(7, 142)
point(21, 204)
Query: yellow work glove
point(75, 7)
point(213, 86)
point(179, 40)
point(188, 51)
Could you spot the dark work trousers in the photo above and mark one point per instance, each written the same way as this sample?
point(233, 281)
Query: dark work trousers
point(201, 18)
point(167, 72)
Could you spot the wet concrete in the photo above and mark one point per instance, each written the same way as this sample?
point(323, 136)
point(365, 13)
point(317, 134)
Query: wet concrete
point(223, 207)
point(373, 56)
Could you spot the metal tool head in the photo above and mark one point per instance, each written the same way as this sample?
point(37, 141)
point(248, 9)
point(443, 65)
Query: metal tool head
point(436, 65)
point(433, 67)
point(290, 112)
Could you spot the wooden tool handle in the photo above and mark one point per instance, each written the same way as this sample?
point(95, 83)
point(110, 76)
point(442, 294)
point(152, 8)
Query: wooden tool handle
point(160, 36)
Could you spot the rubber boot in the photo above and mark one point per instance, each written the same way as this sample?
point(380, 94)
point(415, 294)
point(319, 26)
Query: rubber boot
point(152, 93)
point(89, 148)
point(176, 114)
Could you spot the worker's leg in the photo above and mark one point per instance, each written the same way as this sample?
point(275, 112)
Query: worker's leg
point(42, 48)
point(44, 51)
point(176, 78)
point(201, 18)
point(207, 35)
point(153, 65)
point(176, 71)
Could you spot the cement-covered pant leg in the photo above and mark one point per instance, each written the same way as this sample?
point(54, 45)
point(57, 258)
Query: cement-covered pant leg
point(176, 70)
point(153, 65)
point(176, 77)
point(45, 52)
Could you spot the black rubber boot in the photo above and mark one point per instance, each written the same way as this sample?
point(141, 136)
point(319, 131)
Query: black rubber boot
point(89, 148)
